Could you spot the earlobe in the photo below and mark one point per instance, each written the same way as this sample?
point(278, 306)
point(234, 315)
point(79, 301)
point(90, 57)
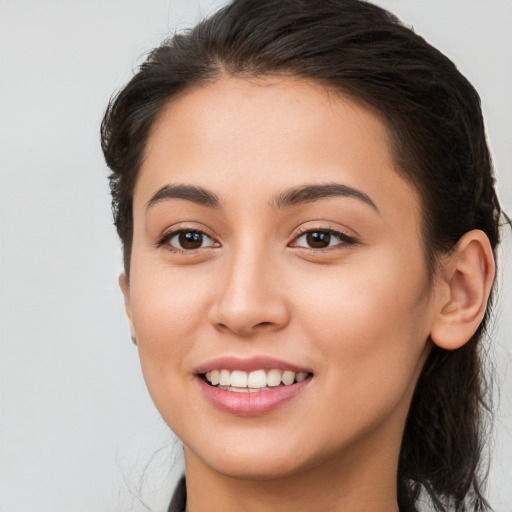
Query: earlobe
point(124, 284)
point(467, 277)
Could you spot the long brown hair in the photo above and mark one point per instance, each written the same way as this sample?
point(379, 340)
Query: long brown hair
point(433, 114)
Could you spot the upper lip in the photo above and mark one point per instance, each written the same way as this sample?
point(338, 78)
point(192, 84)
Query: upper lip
point(249, 364)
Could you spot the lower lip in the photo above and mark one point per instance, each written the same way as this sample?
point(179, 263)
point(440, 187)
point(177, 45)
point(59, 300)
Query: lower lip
point(251, 404)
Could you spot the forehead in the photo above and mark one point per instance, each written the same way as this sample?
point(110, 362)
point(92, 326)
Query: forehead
point(224, 112)
point(262, 135)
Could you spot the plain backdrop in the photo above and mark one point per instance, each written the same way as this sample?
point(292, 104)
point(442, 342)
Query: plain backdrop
point(78, 431)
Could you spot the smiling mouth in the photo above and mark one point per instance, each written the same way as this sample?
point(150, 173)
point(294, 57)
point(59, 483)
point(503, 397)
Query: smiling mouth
point(253, 382)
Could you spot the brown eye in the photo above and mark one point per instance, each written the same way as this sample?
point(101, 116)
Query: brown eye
point(318, 239)
point(190, 240)
point(322, 239)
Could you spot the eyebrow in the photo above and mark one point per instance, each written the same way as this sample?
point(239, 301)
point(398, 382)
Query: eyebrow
point(290, 197)
point(310, 193)
point(192, 193)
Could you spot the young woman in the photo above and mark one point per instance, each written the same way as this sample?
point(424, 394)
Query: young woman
point(305, 199)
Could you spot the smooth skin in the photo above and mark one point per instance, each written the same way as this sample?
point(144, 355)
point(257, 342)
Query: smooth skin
point(361, 312)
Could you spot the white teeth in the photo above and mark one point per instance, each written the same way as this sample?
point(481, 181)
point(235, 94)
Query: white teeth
point(254, 381)
point(215, 377)
point(225, 378)
point(274, 378)
point(301, 376)
point(238, 379)
point(257, 379)
point(288, 377)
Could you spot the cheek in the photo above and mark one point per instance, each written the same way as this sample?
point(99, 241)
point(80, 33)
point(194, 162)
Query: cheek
point(168, 312)
point(165, 300)
point(389, 292)
point(370, 322)
point(372, 338)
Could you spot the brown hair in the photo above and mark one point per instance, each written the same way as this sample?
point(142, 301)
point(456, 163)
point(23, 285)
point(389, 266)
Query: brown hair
point(434, 116)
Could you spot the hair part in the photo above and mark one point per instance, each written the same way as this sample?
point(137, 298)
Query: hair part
point(438, 139)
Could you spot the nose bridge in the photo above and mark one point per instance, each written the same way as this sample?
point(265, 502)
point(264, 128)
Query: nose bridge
point(249, 298)
point(247, 276)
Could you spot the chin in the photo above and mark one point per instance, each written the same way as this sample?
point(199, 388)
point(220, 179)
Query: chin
point(263, 468)
point(251, 461)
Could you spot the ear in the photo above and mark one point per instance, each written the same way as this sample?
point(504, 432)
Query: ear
point(124, 284)
point(463, 290)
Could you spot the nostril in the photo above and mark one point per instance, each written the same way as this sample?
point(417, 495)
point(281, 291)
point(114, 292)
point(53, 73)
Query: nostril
point(247, 319)
point(260, 324)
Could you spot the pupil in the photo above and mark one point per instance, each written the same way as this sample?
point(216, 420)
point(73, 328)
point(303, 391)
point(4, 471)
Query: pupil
point(318, 239)
point(190, 239)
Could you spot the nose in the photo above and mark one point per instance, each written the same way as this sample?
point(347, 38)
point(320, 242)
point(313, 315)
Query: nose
point(250, 298)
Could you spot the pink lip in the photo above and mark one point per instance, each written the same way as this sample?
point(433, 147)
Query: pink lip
point(248, 364)
point(250, 404)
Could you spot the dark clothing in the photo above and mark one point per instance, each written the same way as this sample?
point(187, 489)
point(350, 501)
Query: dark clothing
point(179, 498)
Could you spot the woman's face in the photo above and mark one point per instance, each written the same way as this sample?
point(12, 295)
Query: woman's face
point(273, 234)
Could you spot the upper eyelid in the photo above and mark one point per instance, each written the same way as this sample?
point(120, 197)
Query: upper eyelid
point(173, 230)
point(330, 229)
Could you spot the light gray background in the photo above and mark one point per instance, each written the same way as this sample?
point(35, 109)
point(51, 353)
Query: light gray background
point(77, 428)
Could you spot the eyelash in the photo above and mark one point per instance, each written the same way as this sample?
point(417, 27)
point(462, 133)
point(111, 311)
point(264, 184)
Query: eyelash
point(166, 238)
point(344, 239)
